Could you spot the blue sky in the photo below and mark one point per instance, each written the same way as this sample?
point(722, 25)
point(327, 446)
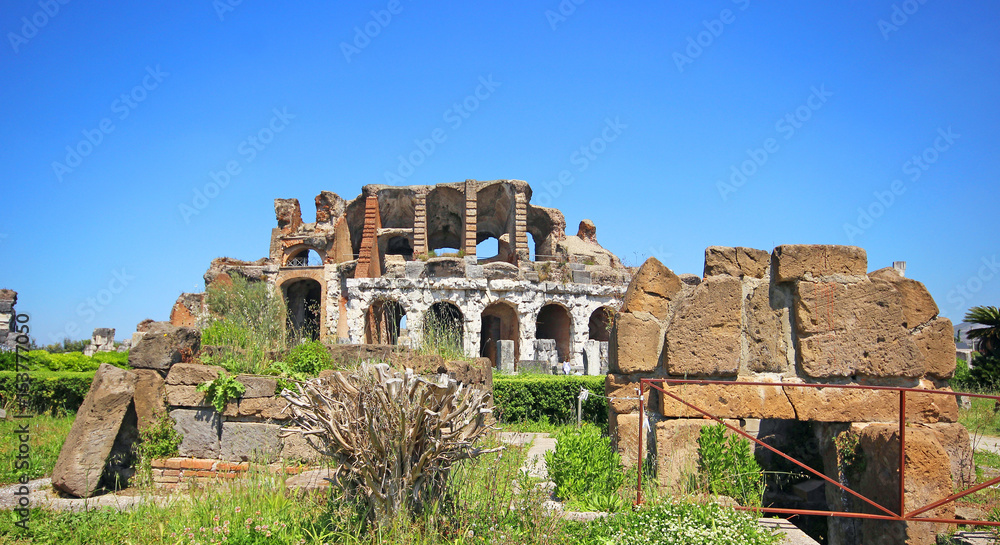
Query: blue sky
point(872, 123)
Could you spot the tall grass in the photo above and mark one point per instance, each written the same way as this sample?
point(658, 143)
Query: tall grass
point(442, 335)
point(46, 437)
point(248, 322)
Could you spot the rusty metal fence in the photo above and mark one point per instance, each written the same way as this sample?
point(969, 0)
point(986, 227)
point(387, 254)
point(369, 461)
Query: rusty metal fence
point(902, 515)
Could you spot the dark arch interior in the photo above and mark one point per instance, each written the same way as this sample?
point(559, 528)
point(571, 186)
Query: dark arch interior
point(399, 246)
point(444, 327)
point(499, 323)
point(554, 322)
point(302, 297)
point(307, 257)
point(600, 324)
point(445, 218)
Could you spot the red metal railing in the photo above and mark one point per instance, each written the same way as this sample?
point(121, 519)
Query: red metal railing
point(901, 516)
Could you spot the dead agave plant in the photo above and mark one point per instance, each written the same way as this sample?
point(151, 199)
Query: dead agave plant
point(393, 436)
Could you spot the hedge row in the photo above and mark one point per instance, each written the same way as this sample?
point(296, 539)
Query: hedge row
point(50, 391)
point(40, 360)
point(550, 397)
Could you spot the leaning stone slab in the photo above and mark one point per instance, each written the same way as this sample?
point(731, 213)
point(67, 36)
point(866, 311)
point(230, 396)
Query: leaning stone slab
point(201, 429)
point(250, 442)
point(85, 453)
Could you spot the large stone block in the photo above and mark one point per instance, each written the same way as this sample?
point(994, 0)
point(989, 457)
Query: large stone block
point(625, 434)
point(592, 363)
point(635, 343)
point(812, 261)
point(704, 337)
point(250, 442)
point(192, 374)
point(652, 290)
point(267, 408)
point(150, 397)
point(445, 267)
point(928, 478)
point(849, 329)
point(295, 446)
point(737, 262)
point(257, 386)
point(767, 329)
point(936, 342)
point(858, 405)
point(163, 345)
point(677, 451)
point(505, 356)
point(185, 396)
point(623, 394)
point(88, 446)
point(727, 401)
point(955, 440)
point(201, 429)
point(918, 305)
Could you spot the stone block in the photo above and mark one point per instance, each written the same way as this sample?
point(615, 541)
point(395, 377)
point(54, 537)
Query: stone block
point(192, 374)
point(767, 329)
point(812, 261)
point(581, 277)
point(623, 393)
point(445, 267)
point(626, 438)
point(415, 269)
point(918, 305)
point(88, 446)
point(500, 270)
point(849, 329)
point(163, 345)
point(179, 395)
point(545, 350)
point(474, 272)
point(635, 343)
point(505, 356)
point(856, 405)
point(257, 386)
point(704, 337)
point(651, 290)
point(267, 408)
point(727, 401)
point(737, 262)
point(295, 446)
point(936, 343)
point(201, 429)
point(928, 478)
point(677, 451)
point(150, 397)
point(250, 442)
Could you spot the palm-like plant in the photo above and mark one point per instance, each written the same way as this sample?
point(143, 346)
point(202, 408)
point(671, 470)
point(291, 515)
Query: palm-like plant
point(989, 335)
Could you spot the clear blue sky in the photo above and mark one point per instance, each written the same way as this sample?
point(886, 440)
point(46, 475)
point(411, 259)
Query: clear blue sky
point(179, 88)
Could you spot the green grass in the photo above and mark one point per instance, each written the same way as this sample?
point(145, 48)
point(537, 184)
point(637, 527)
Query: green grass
point(47, 434)
point(980, 419)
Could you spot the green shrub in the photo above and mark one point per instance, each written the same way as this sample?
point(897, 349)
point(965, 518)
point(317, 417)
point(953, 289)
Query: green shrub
point(550, 397)
point(56, 392)
point(679, 523)
point(309, 358)
point(248, 321)
point(728, 467)
point(159, 439)
point(221, 390)
point(583, 464)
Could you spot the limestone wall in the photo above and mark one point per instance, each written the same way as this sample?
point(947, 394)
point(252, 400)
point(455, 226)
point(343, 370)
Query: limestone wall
point(801, 314)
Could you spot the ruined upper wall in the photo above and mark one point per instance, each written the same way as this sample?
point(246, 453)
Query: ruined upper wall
point(804, 313)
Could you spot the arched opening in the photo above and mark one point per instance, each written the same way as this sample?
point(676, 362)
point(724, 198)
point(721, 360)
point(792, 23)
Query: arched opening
point(600, 324)
point(499, 323)
point(306, 257)
point(488, 249)
point(383, 322)
point(399, 246)
point(445, 219)
point(302, 298)
point(495, 212)
point(443, 329)
point(554, 322)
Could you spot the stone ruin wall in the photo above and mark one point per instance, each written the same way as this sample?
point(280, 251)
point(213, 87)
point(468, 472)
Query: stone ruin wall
point(802, 314)
point(8, 299)
point(375, 247)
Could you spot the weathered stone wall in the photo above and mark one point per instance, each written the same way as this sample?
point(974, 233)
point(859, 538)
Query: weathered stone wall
point(802, 314)
point(8, 298)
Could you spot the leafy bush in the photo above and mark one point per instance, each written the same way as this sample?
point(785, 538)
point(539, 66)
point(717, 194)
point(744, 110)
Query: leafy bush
point(962, 379)
point(309, 358)
point(552, 397)
point(56, 392)
point(248, 321)
point(583, 464)
point(680, 524)
point(727, 466)
point(985, 372)
point(221, 390)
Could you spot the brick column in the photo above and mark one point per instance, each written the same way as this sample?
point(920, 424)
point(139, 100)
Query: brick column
point(471, 219)
point(420, 224)
point(521, 226)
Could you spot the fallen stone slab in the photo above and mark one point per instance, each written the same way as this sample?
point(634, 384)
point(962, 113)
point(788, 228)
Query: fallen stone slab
point(89, 444)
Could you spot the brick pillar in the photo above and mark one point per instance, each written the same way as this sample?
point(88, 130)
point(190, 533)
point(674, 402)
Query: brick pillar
point(521, 227)
point(369, 260)
point(420, 224)
point(471, 219)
